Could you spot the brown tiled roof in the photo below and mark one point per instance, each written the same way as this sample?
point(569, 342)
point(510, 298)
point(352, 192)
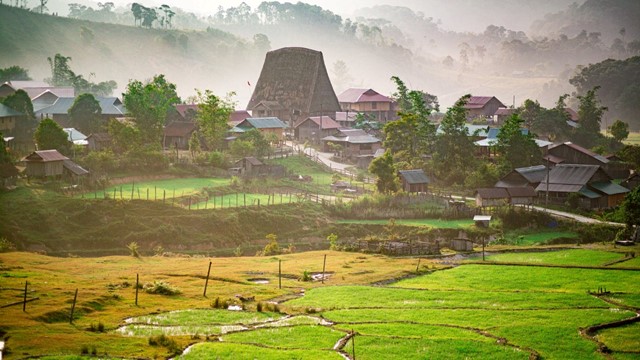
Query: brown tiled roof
point(327, 122)
point(183, 108)
point(239, 115)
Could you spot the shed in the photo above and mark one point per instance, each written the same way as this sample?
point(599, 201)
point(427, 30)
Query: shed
point(177, 134)
point(42, 163)
point(521, 195)
point(98, 141)
point(492, 197)
point(414, 181)
point(250, 166)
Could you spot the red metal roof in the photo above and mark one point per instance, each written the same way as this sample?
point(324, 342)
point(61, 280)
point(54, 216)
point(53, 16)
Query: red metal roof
point(478, 102)
point(237, 116)
point(183, 108)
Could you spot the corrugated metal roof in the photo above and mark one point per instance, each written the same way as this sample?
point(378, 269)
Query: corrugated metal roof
point(584, 191)
point(45, 155)
point(563, 188)
point(74, 168)
point(609, 188)
point(326, 122)
point(574, 174)
point(263, 123)
point(579, 148)
point(526, 191)
point(505, 111)
point(533, 174)
point(353, 139)
point(477, 102)
point(6, 111)
point(472, 130)
point(346, 115)
point(74, 135)
point(493, 193)
point(414, 176)
point(355, 95)
point(108, 105)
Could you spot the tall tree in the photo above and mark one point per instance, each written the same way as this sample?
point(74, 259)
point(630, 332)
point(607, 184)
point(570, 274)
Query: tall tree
point(453, 158)
point(14, 73)
point(25, 126)
point(384, 169)
point(516, 146)
point(49, 135)
point(85, 114)
point(62, 75)
point(590, 115)
point(148, 104)
point(213, 117)
point(619, 130)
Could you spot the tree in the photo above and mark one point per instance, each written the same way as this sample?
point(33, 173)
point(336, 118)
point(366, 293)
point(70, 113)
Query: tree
point(516, 147)
point(383, 168)
point(631, 208)
point(62, 75)
point(341, 77)
point(619, 130)
point(149, 104)
point(590, 114)
point(20, 101)
point(212, 117)
point(259, 143)
point(49, 135)
point(453, 158)
point(125, 136)
point(412, 136)
point(86, 114)
point(14, 73)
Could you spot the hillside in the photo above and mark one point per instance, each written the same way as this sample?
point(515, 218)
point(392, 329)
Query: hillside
point(115, 52)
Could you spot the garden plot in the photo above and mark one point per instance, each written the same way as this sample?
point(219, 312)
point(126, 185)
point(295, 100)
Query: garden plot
point(159, 189)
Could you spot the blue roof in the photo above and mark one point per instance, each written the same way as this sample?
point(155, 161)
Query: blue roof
point(109, 106)
point(263, 123)
point(6, 111)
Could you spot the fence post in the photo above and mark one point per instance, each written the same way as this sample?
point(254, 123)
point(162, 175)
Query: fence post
point(73, 307)
point(324, 264)
point(418, 267)
point(133, 186)
point(279, 274)
point(164, 196)
point(147, 193)
point(206, 283)
point(24, 303)
point(137, 285)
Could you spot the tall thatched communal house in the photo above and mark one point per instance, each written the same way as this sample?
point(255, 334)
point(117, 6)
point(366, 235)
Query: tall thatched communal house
point(293, 85)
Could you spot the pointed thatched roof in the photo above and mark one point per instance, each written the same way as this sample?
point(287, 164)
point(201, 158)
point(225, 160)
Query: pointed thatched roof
point(296, 79)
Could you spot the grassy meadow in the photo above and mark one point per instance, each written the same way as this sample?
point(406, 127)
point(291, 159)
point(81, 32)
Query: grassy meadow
point(470, 311)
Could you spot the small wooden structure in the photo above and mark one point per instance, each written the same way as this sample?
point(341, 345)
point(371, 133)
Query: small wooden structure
point(250, 166)
point(98, 141)
point(43, 163)
point(491, 197)
point(414, 181)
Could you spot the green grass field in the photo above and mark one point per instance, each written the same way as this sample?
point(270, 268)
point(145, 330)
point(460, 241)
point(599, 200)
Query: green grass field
point(539, 237)
point(563, 257)
point(633, 139)
point(435, 223)
point(158, 189)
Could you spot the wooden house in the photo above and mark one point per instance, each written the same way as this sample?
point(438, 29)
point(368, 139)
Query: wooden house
point(414, 181)
point(483, 107)
point(315, 128)
point(491, 197)
point(177, 134)
point(8, 119)
point(250, 166)
point(354, 143)
point(521, 177)
point(111, 107)
point(368, 102)
point(521, 195)
point(98, 141)
point(266, 126)
point(590, 183)
point(45, 163)
point(293, 85)
point(570, 153)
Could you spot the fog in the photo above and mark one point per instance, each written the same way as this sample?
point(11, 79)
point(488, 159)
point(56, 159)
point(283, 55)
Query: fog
point(514, 49)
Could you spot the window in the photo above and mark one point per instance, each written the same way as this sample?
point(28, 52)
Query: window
point(365, 146)
point(374, 105)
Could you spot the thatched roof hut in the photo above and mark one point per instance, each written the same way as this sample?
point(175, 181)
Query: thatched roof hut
point(293, 85)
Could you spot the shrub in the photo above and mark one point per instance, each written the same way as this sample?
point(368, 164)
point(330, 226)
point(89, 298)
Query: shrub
point(165, 341)
point(6, 245)
point(96, 327)
point(272, 248)
point(333, 242)
point(161, 288)
point(133, 248)
point(306, 276)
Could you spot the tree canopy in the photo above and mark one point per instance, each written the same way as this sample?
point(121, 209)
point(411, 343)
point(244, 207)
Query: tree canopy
point(14, 73)
point(590, 114)
point(49, 135)
point(149, 104)
point(85, 114)
point(212, 117)
point(453, 158)
point(62, 75)
point(516, 147)
point(384, 169)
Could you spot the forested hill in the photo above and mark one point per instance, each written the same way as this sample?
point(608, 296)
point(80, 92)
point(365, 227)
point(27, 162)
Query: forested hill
point(205, 60)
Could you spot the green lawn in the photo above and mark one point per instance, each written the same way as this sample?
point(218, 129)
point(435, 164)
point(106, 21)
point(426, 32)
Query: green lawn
point(633, 138)
point(538, 237)
point(562, 257)
point(223, 350)
point(246, 199)
point(159, 189)
point(435, 223)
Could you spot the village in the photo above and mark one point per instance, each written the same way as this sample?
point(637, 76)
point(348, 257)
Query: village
point(382, 188)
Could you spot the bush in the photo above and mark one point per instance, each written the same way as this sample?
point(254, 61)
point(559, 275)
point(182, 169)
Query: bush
point(306, 276)
point(161, 288)
point(6, 245)
point(133, 249)
point(165, 341)
point(272, 248)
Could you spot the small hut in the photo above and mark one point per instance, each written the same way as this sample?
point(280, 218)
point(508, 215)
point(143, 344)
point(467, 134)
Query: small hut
point(44, 163)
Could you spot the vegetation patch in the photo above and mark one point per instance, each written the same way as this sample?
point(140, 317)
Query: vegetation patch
point(562, 257)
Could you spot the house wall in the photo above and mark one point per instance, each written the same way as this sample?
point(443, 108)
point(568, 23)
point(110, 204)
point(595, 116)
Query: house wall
point(490, 202)
point(279, 133)
point(307, 129)
point(521, 201)
point(352, 150)
point(489, 109)
point(42, 169)
point(572, 156)
point(7, 123)
point(615, 200)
